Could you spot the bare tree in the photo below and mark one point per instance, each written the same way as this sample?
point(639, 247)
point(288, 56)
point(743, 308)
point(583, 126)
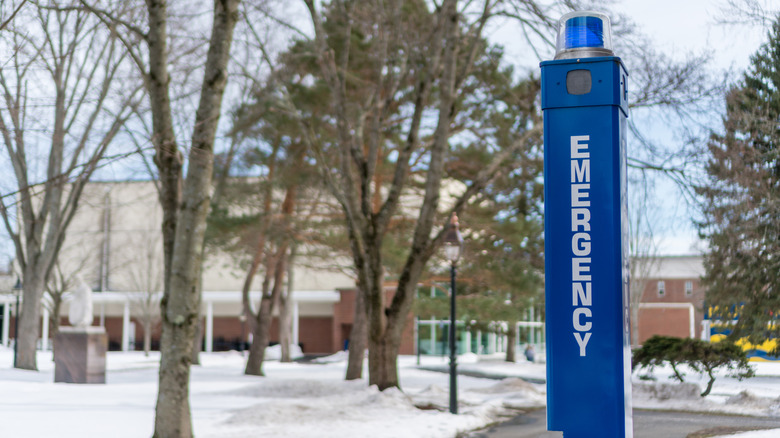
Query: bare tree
point(415, 53)
point(146, 273)
point(749, 12)
point(61, 91)
point(643, 248)
point(185, 202)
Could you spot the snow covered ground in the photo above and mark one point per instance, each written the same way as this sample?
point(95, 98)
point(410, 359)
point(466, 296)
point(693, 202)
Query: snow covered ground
point(305, 400)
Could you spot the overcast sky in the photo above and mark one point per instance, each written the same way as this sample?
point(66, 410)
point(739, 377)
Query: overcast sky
point(677, 27)
point(680, 26)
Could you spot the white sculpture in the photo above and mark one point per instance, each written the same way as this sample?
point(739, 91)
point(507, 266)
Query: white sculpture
point(80, 312)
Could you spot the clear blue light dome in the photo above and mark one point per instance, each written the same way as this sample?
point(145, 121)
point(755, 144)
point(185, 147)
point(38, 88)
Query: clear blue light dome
point(583, 34)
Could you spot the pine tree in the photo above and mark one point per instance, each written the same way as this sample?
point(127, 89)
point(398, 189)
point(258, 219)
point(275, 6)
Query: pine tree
point(741, 208)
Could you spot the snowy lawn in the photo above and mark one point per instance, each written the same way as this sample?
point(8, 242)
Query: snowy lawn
point(305, 400)
point(294, 400)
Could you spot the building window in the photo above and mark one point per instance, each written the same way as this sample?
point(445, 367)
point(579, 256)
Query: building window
point(688, 288)
point(661, 289)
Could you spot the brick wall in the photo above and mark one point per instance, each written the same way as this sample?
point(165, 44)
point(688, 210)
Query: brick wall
point(666, 322)
point(316, 335)
point(671, 322)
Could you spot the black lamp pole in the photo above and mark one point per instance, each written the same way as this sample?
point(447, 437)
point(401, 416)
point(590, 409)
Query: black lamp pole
point(17, 291)
point(453, 346)
point(453, 243)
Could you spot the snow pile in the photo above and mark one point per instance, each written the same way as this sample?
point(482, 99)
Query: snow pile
point(337, 409)
point(749, 400)
point(511, 384)
point(666, 391)
point(773, 433)
point(274, 352)
point(468, 358)
point(433, 397)
point(755, 396)
point(339, 356)
point(514, 394)
point(309, 408)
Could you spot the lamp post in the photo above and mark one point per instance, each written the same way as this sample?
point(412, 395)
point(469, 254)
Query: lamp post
point(17, 292)
point(453, 243)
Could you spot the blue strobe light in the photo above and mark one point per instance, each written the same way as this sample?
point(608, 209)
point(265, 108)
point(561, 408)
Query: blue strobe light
point(583, 34)
point(584, 31)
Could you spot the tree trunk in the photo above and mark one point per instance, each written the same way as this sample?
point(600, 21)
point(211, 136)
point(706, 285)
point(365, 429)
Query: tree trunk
point(197, 341)
point(262, 327)
point(29, 320)
point(260, 335)
point(180, 305)
point(382, 361)
point(511, 340)
point(173, 401)
point(358, 338)
point(147, 336)
point(54, 319)
point(285, 311)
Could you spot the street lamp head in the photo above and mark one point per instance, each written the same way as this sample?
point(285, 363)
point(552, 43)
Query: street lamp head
point(18, 285)
point(453, 241)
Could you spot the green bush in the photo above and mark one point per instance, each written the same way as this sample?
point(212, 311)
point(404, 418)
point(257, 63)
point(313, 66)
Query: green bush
point(701, 356)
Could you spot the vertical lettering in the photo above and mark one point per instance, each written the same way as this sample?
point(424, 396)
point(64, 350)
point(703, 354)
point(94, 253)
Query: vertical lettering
point(580, 217)
point(581, 295)
point(576, 146)
point(582, 342)
point(580, 171)
point(577, 319)
point(579, 195)
point(578, 271)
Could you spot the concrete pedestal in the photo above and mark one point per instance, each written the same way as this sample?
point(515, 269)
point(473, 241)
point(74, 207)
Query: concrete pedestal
point(80, 355)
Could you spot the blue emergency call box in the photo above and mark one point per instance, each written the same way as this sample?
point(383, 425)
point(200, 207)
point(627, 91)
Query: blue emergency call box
point(584, 100)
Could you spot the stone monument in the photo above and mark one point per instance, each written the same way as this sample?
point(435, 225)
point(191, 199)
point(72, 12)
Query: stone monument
point(80, 350)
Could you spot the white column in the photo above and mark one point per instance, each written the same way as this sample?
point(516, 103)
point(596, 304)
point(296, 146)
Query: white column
point(295, 323)
point(6, 322)
point(467, 341)
point(433, 337)
point(491, 343)
point(45, 329)
point(102, 314)
point(692, 319)
point(126, 327)
point(209, 327)
point(479, 342)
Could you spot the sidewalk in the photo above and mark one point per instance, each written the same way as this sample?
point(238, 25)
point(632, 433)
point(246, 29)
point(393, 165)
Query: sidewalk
point(492, 367)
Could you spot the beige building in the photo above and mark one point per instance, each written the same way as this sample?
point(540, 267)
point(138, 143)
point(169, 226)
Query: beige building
point(114, 246)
